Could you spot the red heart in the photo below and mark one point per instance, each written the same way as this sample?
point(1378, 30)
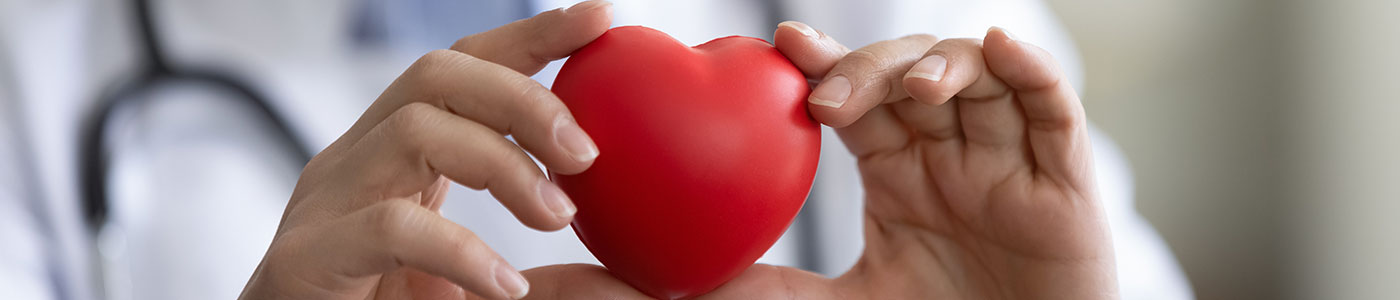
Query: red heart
point(706, 155)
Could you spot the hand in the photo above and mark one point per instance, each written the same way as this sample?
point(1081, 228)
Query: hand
point(363, 221)
point(977, 170)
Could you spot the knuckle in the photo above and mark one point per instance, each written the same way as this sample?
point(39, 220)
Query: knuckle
point(464, 249)
point(467, 242)
point(437, 57)
point(284, 246)
point(871, 74)
point(388, 221)
point(923, 38)
point(319, 165)
point(408, 124)
point(410, 129)
point(962, 44)
point(536, 104)
point(414, 111)
point(430, 72)
point(430, 62)
point(862, 58)
point(463, 44)
point(290, 248)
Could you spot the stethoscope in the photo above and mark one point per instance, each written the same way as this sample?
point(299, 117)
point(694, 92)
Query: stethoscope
point(95, 147)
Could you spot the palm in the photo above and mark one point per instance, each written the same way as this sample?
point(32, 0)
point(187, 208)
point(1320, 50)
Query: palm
point(980, 216)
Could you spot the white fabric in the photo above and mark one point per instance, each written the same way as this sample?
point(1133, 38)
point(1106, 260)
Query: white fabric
point(46, 42)
point(22, 259)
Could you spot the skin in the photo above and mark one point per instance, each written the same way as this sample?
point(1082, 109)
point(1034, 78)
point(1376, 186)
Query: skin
point(979, 177)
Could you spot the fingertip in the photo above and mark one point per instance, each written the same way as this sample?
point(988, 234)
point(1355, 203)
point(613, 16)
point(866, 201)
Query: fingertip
point(999, 35)
point(566, 29)
point(1022, 66)
point(526, 45)
point(832, 92)
point(924, 90)
point(575, 144)
point(569, 168)
point(924, 79)
point(833, 117)
point(590, 18)
point(558, 203)
point(538, 203)
point(1000, 44)
point(509, 281)
point(809, 49)
point(828, 102)
point(800, 28)
point(586, 6)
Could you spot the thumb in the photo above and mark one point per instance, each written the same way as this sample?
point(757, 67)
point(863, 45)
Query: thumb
point(578, 281)
point(527, 45)
point(812, 51)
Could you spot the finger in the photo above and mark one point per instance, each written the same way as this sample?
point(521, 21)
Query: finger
point(503, 100)
point(578, 281)
point(410, 283)
point(527, 45)
point(865, 78)
point(1055, 118)
point(810, 50)
point(396, 234)
point(435, 194)
point(523, 46)
point(937, 126)
point(762, 281)
point(876, 132)
point(989, 115)
point(410, 149)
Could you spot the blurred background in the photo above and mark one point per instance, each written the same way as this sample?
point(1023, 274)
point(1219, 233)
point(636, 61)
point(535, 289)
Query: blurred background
point(1262, 134)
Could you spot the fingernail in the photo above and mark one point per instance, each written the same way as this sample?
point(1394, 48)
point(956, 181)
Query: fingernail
point(586, 5)
point(931, 68)
point(555, 199)
point(510, 281)
point(573, 140)
point(1008, 34)
point(831, 92)
point(806, 31)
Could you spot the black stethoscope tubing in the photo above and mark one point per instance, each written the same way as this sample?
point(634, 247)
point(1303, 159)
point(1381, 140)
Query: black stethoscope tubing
point(95, 153)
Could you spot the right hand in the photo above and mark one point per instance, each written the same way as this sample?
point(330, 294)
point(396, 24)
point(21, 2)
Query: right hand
point(363, 221)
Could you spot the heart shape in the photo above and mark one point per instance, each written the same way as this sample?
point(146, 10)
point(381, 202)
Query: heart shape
point(707, 154)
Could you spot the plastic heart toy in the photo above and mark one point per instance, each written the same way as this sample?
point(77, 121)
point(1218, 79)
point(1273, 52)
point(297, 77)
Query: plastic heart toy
point(706, 155)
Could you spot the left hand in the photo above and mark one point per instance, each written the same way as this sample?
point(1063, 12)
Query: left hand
point(977, 169)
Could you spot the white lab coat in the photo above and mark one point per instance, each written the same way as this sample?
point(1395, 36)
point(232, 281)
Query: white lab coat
point(197, 194)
